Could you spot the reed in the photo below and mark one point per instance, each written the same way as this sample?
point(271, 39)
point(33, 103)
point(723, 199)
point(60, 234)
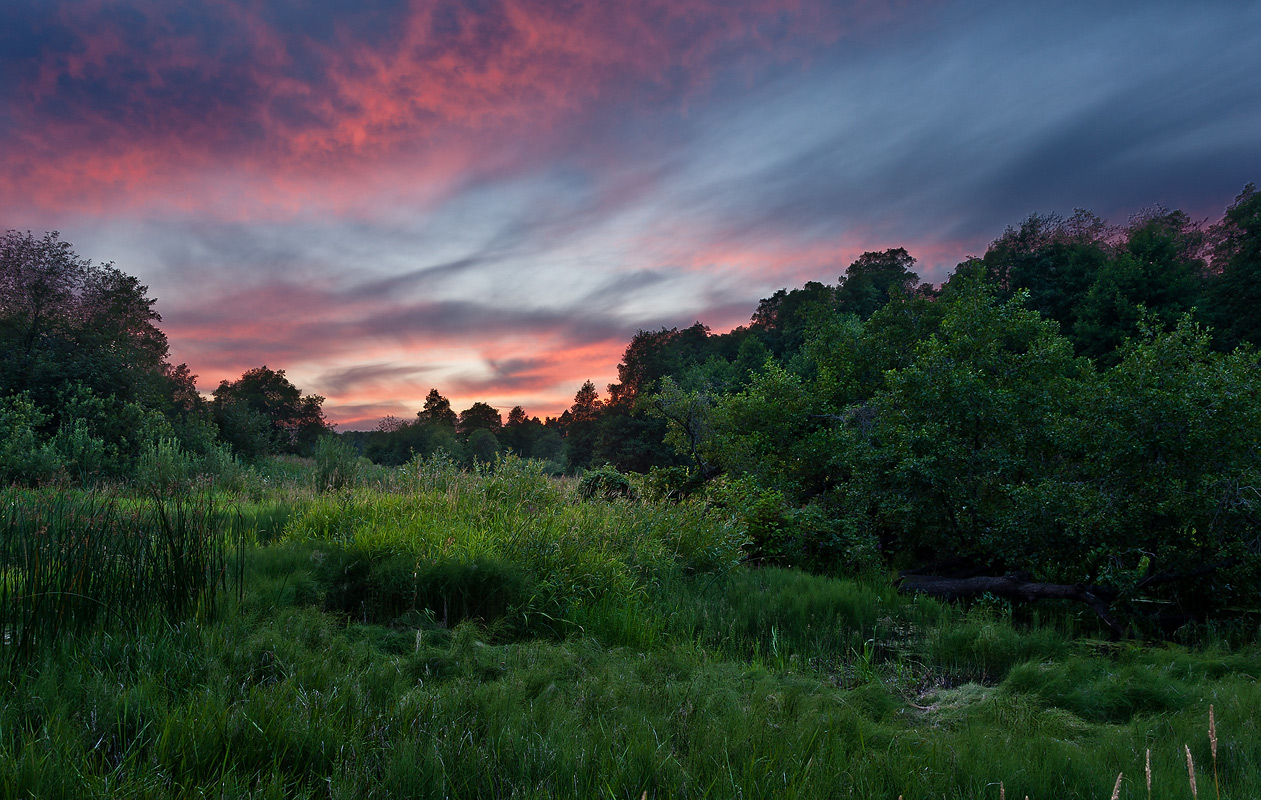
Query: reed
point(1195, 794)
point(70, 562)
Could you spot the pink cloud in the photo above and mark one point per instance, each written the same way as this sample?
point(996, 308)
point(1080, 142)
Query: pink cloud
point(141, 113)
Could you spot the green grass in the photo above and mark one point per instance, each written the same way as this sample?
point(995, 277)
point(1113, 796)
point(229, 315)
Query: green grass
point(598, 649)
point(71, 561)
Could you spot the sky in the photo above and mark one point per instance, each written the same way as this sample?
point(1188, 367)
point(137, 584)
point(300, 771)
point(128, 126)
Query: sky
point(490, 197)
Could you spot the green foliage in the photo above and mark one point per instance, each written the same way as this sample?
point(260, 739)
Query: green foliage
point(262, 396)
point(965, 431)
point(1232, 294)
point(688, 417)
point(964, 422)
point(246, 430)
point(604, 483)
point(479, 416)
point(668, 483)
point(482, 446)
point(165, 469)
point(567, 554)
point(24, 457)
point(867, 282)
point(1154, 480)
point(66, 321)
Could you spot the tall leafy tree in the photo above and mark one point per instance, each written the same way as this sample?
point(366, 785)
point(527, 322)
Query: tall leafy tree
point(1157, 269)
point(65, 320)
point(582, 427)
point(1055, 260)
point(295, 420)
point(867, 282)
point(479, 416)
point(782, 319)
point(437, 410)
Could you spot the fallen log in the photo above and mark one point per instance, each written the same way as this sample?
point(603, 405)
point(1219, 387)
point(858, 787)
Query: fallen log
point(1013, 588)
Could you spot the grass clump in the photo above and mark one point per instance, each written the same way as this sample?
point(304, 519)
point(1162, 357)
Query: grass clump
point(509, 544)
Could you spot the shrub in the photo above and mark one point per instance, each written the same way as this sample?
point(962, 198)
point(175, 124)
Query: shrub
point(23, 457)
point(604, 483)
point(164, 468)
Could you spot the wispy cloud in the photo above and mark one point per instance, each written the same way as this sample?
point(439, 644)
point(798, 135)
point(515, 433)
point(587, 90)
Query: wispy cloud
point(491, 197)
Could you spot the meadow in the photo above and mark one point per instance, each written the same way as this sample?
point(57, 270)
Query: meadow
point(434, 632)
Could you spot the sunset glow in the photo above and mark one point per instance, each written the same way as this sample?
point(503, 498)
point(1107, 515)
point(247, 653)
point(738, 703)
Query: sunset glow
point(491, 198)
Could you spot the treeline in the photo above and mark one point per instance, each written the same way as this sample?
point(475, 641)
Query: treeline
point(87, 390)
point(1100, 284)
point(1078, 407)
point(477, 434)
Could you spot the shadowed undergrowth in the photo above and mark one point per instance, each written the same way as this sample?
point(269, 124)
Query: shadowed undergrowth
point(70, 562)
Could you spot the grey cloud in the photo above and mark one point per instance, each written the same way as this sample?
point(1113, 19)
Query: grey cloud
point(345, 380)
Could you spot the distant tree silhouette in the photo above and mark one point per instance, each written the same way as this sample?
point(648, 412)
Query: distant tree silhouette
point(479, 416)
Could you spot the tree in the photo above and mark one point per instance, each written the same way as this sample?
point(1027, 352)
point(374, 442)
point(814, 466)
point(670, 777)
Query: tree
point(964, 422)
point(651, 355)
point(520, 433)
point(582, 427)
point(479, 416)
point(1055, 259)
point(516, 416)
point(65, 320)
point(1157, 269)
point(868, 282)
point(437, 410)
point(1233, 289)
point(482, 445)
point(587, 403)
point(782, 319)
point(296, 421)
point(79, 342)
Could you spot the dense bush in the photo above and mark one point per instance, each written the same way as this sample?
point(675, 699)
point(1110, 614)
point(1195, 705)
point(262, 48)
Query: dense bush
point(605, 483)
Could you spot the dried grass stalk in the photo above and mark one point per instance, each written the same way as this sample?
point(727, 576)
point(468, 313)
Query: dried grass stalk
point(1195, 793)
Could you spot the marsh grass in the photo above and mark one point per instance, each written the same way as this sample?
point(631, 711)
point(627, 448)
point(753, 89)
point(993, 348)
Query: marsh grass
point(507, 543)
point(490, 634)
point(72, 561)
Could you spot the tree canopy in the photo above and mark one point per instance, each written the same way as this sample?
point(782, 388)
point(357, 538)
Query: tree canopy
point(294, 421)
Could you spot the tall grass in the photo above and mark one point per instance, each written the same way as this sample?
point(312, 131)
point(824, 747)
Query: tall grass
point(496, 636)
point(72, 561)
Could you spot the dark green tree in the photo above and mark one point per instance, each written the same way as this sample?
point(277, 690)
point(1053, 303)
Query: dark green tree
point(868, 282)
point(479, 416)
point(437, 410)
point(65, 320)
point(1232, 298)
point(296, 421)
point(782, 319)
point(1055, 260)
point(581, 427)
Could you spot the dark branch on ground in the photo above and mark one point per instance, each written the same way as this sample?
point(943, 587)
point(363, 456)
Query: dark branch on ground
point(1014, 587)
